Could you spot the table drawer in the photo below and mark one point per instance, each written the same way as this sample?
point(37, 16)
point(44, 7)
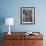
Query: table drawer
point(33, 37)
point(13, 43)
point(9, 43)
point(16, 37)
point(33, 43)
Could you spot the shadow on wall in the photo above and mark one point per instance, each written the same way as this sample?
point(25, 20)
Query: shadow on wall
point(2, 21)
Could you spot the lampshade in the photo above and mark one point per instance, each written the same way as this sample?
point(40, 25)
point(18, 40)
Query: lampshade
point(9, 21)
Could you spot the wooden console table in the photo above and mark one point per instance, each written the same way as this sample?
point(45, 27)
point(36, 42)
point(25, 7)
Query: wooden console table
point(20, 39)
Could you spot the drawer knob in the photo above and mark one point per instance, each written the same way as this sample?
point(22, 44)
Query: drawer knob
point(33, 42)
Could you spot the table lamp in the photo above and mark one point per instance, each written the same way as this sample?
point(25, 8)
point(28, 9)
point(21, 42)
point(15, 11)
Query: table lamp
point(9, 21)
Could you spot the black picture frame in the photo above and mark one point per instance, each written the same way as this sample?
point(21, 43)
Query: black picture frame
point(27, 15)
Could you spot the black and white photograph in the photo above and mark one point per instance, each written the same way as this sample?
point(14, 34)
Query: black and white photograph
point(27, 15)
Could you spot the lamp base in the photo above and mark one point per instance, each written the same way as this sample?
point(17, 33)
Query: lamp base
point(9, 33)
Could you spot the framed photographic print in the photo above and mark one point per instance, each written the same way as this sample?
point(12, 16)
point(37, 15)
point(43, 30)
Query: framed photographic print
point(27, 15)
